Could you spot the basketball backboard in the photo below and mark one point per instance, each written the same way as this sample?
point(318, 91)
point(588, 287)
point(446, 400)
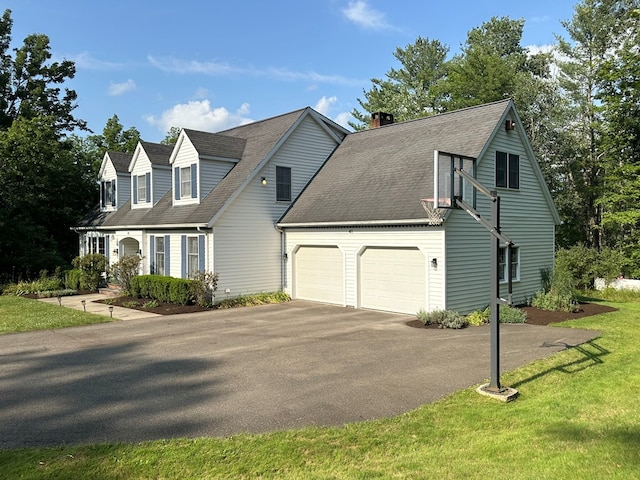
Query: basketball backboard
point(447, 185)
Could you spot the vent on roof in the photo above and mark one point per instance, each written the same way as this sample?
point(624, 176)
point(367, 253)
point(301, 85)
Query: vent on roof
point(379, 119)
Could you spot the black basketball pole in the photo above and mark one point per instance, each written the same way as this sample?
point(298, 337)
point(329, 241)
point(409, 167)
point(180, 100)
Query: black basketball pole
point(495, 295)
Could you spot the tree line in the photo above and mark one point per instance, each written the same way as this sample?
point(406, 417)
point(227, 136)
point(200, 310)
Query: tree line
point(580, 104)
point(579, 101)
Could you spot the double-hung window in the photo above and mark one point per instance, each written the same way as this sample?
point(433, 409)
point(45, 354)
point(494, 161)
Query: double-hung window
point(513, 262)
point(507, 170)
point(185, 182)
point(283, 184)
point(192, 256)
point(142, 188)
point(160, 259)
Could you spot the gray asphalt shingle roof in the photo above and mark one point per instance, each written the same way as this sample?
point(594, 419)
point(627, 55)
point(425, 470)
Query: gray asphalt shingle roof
point(120, 161)
point(381, 174)
point(158, 153)
point(253, 142)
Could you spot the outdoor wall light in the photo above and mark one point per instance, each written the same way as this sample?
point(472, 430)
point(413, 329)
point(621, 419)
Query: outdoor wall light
point(434, 262)
point(263, 180)
point(84, 305)
point(111, 311)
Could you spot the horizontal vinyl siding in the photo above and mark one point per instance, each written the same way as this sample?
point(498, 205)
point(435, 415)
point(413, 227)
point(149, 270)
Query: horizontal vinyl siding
point(123, 189)
point(525, 218)
point(353, 242)
point(248, 254)
point(142, 167)
point(160, 183)
point(211, 172)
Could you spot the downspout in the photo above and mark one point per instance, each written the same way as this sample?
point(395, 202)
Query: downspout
point(283, 258)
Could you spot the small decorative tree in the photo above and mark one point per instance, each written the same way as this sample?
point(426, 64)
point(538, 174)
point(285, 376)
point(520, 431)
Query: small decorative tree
point(91, 266)
point(127, 267)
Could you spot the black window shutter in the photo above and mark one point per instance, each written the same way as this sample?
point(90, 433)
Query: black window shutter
point(501, 169)
point(514, 171)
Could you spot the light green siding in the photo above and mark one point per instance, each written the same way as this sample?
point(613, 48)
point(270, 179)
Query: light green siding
point(526, 218)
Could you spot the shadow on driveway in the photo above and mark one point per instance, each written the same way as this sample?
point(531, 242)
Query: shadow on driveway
point(251, 370)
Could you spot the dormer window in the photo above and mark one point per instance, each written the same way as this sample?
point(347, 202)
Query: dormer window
point(186, 182)
point(108, 193)
point(142, 188)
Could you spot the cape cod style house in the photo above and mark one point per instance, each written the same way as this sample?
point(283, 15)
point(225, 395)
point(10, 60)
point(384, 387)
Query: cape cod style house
point(298, 203)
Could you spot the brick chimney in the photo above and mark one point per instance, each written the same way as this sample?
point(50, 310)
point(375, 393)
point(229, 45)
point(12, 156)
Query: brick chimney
point(379, 119)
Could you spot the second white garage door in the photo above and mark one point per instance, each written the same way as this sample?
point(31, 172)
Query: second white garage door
point(319, 274)
point(393, 279)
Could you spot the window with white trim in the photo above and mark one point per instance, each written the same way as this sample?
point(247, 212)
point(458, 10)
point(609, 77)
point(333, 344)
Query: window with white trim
point(159, 270)
point(192, 256)
point(185, 182)
point(513, 263)
point(96, 245)
point(142, 188)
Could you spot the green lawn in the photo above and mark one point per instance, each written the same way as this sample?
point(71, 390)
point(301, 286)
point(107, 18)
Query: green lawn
point(24, 314)
point(577, 417)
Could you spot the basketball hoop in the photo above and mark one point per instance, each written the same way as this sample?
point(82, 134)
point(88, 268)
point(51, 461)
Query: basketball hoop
point(434, 215)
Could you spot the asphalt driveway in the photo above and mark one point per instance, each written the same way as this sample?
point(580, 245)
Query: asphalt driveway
point(253, 370)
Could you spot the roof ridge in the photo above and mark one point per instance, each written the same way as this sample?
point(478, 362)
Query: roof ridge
point(439, 115)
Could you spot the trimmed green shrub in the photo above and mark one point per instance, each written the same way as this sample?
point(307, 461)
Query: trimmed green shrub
point(92, 267)
point(180, 291)
point(162, 289)
point(442, 318)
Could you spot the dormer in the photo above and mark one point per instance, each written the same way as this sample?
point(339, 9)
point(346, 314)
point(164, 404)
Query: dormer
point(199, 161)
point(150, 174)
point(114, 180)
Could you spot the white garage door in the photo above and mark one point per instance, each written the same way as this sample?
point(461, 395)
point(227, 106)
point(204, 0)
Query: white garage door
point(393, 279)
point(319, 274)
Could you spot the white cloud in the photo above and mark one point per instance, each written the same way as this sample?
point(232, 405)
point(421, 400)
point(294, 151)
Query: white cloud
point(343, 119)
point(185, 67)
point(360, 13)
point(200, 115)
point(85, 61)
point(324, 104)
point(116, 89)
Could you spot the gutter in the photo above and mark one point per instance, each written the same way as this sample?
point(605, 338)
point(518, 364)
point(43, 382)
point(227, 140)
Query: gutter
point(176, 226)
point(365, 223)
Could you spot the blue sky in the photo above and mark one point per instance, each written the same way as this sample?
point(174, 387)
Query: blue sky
point(211, 65)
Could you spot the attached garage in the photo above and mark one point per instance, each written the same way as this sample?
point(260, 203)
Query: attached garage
point(319, 274)
point(393, 279)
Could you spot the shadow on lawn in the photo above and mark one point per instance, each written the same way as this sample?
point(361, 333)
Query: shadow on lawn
point(592, 354)
point(101, 394)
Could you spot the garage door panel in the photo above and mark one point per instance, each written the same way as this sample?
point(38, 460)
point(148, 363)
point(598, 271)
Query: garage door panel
point(319, 274)
point(392, 279)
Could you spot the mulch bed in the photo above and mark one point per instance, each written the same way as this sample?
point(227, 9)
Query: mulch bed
point(162, 308)
point(537, 316)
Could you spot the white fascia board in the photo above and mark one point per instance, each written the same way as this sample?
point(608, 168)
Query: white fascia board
point(360, 223)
